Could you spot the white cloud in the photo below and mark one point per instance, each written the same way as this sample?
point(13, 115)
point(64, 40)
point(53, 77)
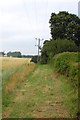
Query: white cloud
point(23, 20)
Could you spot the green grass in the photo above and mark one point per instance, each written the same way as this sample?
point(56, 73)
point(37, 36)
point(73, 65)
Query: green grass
point(5, 80)
point(7, 98)
point(71, 95)
point(0, 93)
point(43, 93)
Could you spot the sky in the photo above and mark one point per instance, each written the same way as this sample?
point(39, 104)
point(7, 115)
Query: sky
point(21, 21)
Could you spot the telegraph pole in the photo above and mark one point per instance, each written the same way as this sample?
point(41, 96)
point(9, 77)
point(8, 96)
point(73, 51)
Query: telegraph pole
point(39, 47)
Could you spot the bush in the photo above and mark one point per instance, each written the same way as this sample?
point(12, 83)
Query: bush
point(67, 64)
point(35, 59)
point(74, 71)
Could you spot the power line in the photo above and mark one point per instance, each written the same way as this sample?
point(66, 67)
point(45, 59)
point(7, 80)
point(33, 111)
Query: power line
point(45, 16)
point(37, 19)
point(35, 14)
point(28, 15)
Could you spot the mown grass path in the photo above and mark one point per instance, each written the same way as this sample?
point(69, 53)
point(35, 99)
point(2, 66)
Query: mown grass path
point(42, 95)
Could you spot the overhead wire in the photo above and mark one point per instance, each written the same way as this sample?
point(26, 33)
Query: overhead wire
point(35, 15)
point(45, 17)
point(35, 28)
point(28, 16)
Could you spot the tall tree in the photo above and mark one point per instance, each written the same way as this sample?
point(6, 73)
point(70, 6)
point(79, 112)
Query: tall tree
point(54, 47)
point(65, 25)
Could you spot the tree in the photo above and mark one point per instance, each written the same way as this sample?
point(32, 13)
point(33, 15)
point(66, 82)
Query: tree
point(65, 25)
point(14, 54)
point(35, 59)
point(53, 47)
point(2, 53)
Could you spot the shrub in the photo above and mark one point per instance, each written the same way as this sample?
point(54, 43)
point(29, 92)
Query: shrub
point(35, 59)
point(67, 64)
point(74, 71)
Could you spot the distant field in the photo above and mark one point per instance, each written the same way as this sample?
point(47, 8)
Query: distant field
point(8, 62)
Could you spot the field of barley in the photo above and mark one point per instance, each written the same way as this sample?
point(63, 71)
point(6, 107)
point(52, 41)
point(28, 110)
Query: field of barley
point(14, 72)
point(35, 91)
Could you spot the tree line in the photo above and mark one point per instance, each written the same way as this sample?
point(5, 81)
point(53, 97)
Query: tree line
point(18, 54)
point(15, 54)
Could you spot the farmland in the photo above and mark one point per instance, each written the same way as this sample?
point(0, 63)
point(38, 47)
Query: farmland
point(14, 72)
point(35, 91)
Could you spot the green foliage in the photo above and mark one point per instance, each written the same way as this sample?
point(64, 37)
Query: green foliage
point(14, 54)
point(44, 57)
point(35, 59)
point(74, 71)
point(65, 25)
point(53, 47)
point(67, 64)
point(18, 54)
point(6, 99)
point(27, 56)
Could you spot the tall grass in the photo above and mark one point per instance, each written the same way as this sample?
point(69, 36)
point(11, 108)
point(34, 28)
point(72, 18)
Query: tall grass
point(67, 64)
point(14, 72)
point(0, 89)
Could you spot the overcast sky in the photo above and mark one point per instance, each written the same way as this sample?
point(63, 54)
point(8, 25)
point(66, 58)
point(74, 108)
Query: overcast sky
point(21, 21)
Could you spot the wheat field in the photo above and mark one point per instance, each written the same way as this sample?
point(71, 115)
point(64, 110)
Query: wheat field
point(14, 73)
point(15, 69)
point(13, 62)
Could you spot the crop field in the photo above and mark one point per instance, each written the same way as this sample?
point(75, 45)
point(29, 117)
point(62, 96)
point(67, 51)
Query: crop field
point(35, 91)
point(14, 72)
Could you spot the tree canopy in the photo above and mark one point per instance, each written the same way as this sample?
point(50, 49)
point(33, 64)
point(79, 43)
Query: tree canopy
point(65, 25)
point(14, 54)
point(54, 47)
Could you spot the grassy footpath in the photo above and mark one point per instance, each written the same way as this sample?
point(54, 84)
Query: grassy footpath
point(43, 94)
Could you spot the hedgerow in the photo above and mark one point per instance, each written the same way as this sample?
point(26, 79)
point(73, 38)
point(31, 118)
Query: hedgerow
point(67, 64)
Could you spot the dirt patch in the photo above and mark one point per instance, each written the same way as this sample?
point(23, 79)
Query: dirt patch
point(19, 96)
point(46, 89)
point(56, 103)
point(7, 112)
point(27, 84)
point(40, 112)
point(35, 73)
point(45, 78)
